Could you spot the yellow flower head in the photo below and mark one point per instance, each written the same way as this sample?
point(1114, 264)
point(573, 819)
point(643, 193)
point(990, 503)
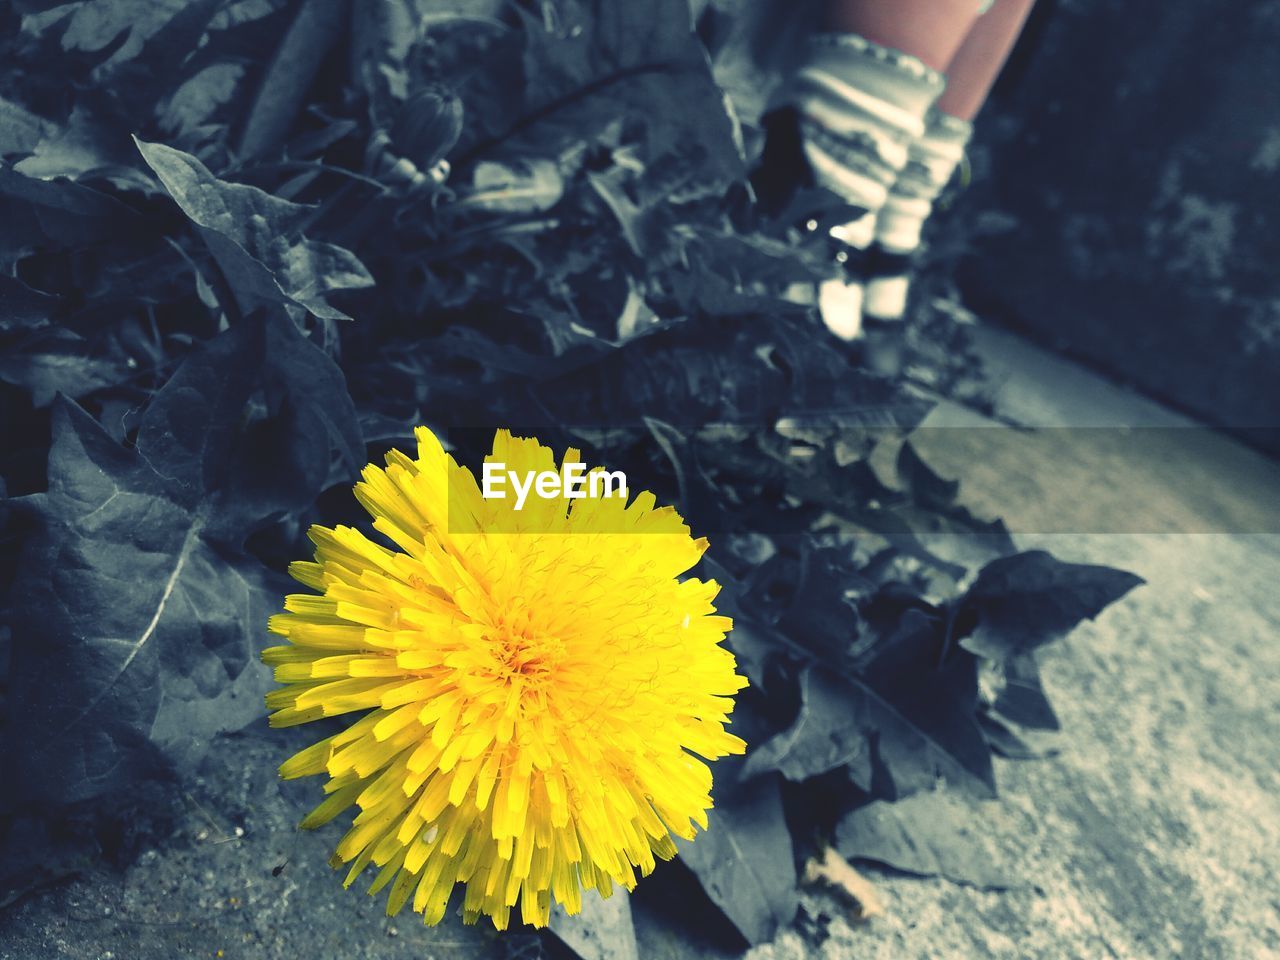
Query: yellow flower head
point(534, 686)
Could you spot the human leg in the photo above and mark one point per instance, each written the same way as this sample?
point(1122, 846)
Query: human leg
point(931, 30)
point(933, 158)
point(853, 109)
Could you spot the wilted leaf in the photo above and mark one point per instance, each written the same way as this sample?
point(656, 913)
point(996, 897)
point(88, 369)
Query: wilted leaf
point(1021, 697)
point(255, 237)
point(920, 700)
point(835, 871)
point(744, 860)
point(826, 734)
point(822, 613)
point(1007, 742)
point(931, 834)
point(1030, 599)
point(601, 931)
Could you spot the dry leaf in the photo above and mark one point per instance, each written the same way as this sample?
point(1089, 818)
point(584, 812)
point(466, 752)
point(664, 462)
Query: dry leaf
point(835, 871)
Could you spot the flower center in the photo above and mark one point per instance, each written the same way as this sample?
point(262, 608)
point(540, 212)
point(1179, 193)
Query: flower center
point(525, 653)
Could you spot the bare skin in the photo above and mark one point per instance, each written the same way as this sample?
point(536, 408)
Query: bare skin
point(931, 30)
point(948, 35)
point(974, 68)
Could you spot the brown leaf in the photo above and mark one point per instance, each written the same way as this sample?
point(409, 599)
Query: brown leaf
point(835, 871)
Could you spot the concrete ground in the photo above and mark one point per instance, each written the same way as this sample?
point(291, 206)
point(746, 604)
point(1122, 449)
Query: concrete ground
point(1153, 833)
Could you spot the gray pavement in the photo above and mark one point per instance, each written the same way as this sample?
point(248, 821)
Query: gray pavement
point(1154, 832)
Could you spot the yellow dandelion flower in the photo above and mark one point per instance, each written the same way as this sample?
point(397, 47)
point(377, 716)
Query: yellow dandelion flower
point(535, 686)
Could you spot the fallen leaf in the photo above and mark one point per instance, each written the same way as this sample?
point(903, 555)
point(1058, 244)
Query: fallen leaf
point(602, 930)
point(1027, 600)
point(828, 732)
point(835, 871)
point(931, 834)
point(744, 860)
point(1021, 697)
